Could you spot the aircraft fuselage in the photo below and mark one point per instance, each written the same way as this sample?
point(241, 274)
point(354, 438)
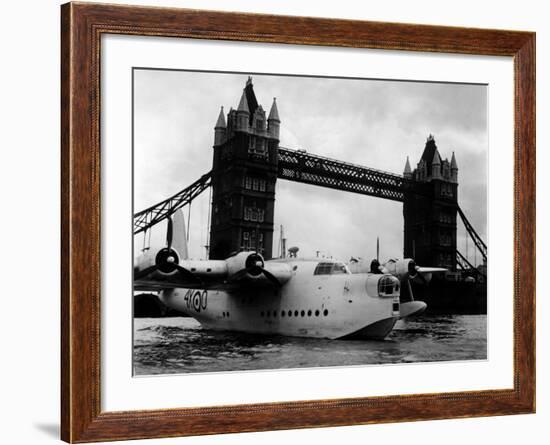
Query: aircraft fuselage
point(340, 305)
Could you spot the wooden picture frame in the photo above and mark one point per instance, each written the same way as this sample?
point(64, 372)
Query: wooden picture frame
point(82, 26)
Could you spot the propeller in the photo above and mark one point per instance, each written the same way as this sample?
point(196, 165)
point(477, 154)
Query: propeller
point(167, 260)
point(254, 266)
point(406, 270)
point(414, 271)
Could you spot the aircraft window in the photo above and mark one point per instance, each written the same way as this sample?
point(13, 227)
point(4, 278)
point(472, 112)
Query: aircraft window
point(283, 313)
point(290, 313)
point(317, 313)
point(295, 313)
point(274, 313)
point(323, 269)
point(309, 313)
point(330, 269)
point(325, 312)
point(386, 285)
point(303, 313)
point(339, 268)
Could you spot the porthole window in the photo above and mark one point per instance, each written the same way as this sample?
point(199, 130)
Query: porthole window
point(387, 285)
point(325, 312)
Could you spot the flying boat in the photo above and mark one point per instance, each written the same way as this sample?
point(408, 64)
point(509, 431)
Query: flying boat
point(293, 296)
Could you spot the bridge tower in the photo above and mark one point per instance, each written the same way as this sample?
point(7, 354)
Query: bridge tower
point(430, 209)
point(244, 174)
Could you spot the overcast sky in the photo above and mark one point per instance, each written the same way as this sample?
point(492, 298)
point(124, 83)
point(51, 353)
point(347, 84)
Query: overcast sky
point(374, 123)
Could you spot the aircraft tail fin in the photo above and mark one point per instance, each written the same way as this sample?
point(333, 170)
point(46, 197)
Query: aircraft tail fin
point(179, 241)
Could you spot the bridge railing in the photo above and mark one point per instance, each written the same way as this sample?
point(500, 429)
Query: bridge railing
point(301, 166)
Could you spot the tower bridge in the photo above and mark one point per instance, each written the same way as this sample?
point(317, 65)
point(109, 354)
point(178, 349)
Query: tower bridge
point(248, 160)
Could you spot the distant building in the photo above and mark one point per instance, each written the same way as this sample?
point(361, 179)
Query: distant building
point(244, 177)
point(430, 209)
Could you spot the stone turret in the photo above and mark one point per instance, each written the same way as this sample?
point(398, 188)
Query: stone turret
point(273, 121)
point(243, 114)
point(436, 165)
point(407, 173)
point(220, 129)
point(454, 169)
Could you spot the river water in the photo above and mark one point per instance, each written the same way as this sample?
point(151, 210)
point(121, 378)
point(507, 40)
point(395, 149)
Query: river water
point(179, 345)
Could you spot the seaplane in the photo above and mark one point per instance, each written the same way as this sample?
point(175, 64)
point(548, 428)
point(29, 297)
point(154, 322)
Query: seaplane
point(292, 296)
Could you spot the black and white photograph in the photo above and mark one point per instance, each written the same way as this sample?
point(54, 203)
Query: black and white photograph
point(285, 221)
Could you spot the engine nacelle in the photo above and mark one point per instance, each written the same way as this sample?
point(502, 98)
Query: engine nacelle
point(252, 261)
point(401, 268)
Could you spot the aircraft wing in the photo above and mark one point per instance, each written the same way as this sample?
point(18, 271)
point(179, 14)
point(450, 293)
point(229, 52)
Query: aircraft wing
point(169, 267)
point(245, 270)
point(431, 269)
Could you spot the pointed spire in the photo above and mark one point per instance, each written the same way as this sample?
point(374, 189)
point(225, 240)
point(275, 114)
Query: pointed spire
point(454, 166)
point(407, 167)
point(221, 120)
point(437, 159)
point(220, 130)
point(274, 113)
point(243, 104)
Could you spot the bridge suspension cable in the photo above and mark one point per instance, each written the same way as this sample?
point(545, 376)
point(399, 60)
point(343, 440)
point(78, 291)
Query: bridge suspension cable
point(481, 246)
point(156, 213)
point(465, 265)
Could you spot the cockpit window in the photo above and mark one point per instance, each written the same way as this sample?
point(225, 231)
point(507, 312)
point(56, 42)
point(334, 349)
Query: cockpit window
point(323, 269)
point(330, 269)
point(339, 268)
